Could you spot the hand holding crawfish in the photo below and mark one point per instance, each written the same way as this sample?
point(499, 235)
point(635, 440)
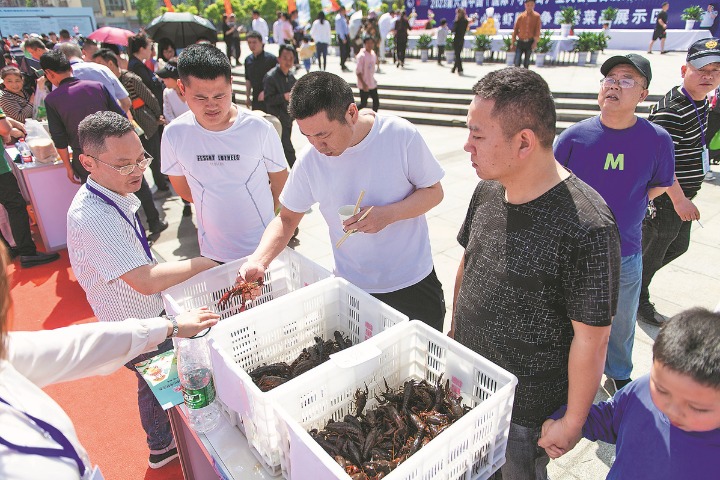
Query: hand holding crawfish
point(248, 290)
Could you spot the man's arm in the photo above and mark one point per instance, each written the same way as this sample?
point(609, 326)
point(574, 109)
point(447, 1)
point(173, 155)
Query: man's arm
point(516, 29)
point(656, 192)
point(150, 279)
point(276, 237)
point(181, 186)
point(417, 203)
point(358, 71)
point(125, 103)
point(585, 368)
point(456, 292)
point(684, 207)
point(64, 155)
point(277, 183)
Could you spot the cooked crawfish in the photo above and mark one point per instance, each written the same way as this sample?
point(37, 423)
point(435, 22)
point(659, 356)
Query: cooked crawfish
point(248, 291)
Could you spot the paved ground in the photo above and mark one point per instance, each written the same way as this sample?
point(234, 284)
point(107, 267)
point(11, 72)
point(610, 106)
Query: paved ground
point(692, 280)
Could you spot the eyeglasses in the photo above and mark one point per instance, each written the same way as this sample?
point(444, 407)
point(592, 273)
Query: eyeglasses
point(621, 82)
point(128, 169)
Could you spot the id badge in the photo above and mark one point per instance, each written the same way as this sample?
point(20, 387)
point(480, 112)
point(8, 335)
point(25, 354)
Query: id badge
point(94, 474)
point(706, 160)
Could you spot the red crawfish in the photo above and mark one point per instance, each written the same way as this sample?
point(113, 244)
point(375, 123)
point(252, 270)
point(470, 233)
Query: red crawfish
point(248, 291)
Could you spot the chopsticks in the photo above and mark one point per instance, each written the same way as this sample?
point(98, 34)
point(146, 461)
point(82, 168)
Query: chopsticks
point(357, 204)
point(350, 232)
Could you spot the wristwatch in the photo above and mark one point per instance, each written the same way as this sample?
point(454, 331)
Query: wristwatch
point(174, 325)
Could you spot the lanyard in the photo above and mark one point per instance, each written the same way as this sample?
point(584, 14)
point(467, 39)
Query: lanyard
point(139, 232)
point(697, 114)
point(67, 450)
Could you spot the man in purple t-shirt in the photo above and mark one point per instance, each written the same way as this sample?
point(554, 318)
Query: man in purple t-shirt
point(629, 161)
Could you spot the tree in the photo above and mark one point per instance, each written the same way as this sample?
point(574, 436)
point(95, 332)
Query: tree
point(146, 10)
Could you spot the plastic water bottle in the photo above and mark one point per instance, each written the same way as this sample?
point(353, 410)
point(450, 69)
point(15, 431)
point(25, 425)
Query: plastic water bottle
point(25, 152)
point(196, 379)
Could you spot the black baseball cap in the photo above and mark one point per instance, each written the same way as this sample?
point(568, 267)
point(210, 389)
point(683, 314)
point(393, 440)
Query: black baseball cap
point(704, 52)
point(640, 63)
point(170, 70)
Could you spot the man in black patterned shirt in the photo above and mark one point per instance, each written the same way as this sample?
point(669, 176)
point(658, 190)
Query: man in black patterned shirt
point(683, 112)
point(538, 284)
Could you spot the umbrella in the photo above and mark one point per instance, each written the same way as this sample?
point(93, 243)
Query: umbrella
point(116, 36)
point(182, 28)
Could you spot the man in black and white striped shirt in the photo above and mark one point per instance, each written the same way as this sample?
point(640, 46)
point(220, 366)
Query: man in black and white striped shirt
point(683, 112)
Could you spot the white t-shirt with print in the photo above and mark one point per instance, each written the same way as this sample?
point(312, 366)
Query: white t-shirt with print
point(390, 163)
point(228, 176)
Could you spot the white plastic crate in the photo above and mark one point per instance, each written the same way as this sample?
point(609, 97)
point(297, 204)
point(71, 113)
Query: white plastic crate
point(288, 272)
point(472, 448)
point(278, 332)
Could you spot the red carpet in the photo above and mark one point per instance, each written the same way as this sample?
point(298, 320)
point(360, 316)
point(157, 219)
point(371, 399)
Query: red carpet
point(103, 409)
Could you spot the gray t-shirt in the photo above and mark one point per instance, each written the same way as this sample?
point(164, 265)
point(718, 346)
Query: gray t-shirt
point(529, 270)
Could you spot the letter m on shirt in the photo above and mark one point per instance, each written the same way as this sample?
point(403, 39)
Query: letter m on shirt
point(616, 163)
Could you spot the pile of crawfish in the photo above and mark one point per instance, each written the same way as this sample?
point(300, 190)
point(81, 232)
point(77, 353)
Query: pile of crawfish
point(267, 377)
point(369, 445)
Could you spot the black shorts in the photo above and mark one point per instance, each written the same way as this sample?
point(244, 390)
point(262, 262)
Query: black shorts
point(423, 301)
point(659, 33)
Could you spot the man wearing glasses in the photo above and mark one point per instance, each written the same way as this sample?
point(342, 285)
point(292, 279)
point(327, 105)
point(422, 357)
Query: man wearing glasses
point(683, 112)
point(110, 254)
point(628, 161)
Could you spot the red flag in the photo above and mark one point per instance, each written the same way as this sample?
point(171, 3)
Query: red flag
point(169, 6)
point(228, 8)
point(291, 6)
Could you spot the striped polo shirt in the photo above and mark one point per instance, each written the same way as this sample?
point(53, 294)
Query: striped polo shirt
point(677, 115)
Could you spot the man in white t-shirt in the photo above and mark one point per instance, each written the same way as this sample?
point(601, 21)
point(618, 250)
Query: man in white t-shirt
point(386, 23)
point(260, 25)
point(389, 255)
point(228, 161)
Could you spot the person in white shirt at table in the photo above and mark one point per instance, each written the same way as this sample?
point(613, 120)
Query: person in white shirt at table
point(32, 425)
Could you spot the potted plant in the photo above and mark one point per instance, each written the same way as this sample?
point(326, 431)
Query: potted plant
point(543, 46)
point(389, 46)
point(507, 45)
point(691, 15)
point(482, 43)
point(608, 16)
point(601, 42)
point(449, 50)
point(584, 44)
point(568, 17)
point(423, 44)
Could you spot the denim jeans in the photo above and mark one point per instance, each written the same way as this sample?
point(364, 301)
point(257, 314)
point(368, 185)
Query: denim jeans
point(618, 363)
point(153, 418)
point(523, 47)
point(524, 460)
point(664, 239)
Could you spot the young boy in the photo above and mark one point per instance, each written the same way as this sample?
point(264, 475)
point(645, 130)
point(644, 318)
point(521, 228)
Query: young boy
point(666, 425)
point(440, 39)
point(365, 70)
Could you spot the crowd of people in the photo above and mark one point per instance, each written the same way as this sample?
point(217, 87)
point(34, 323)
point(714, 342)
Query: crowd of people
point(561, 239)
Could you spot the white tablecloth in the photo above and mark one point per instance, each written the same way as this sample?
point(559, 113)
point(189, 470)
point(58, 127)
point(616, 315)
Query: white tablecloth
point(560, 44)
point(677, 40)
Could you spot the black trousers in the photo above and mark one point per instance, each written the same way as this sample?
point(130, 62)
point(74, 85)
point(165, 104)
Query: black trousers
point(401, 43)
point(232, 49)
point(152, 146)
point(373, 92)
point(286, 141)
point(523, 47)
point(344, 51)
point(14, 203)
point(441, 53)
point(458, 57)
point(423, 301)
point(664, 238)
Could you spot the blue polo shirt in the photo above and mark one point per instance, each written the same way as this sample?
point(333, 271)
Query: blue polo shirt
point(621, 165)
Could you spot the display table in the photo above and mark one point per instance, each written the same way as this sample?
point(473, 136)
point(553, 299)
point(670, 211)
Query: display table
point(677, 40)
point(222, 453)
point(560, 44)
point(47, 188)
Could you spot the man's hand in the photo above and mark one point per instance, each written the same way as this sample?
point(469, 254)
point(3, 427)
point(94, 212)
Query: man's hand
point(17, 133)
point(248, 102)
point(72, 178)
point(287, 96)
point(251, 271)
point(193, 322)
point(686, 210)
point(261, 96)
point(558, 437)
point(374, 222)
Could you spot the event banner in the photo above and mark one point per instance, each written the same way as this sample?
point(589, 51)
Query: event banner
point(632, 14)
